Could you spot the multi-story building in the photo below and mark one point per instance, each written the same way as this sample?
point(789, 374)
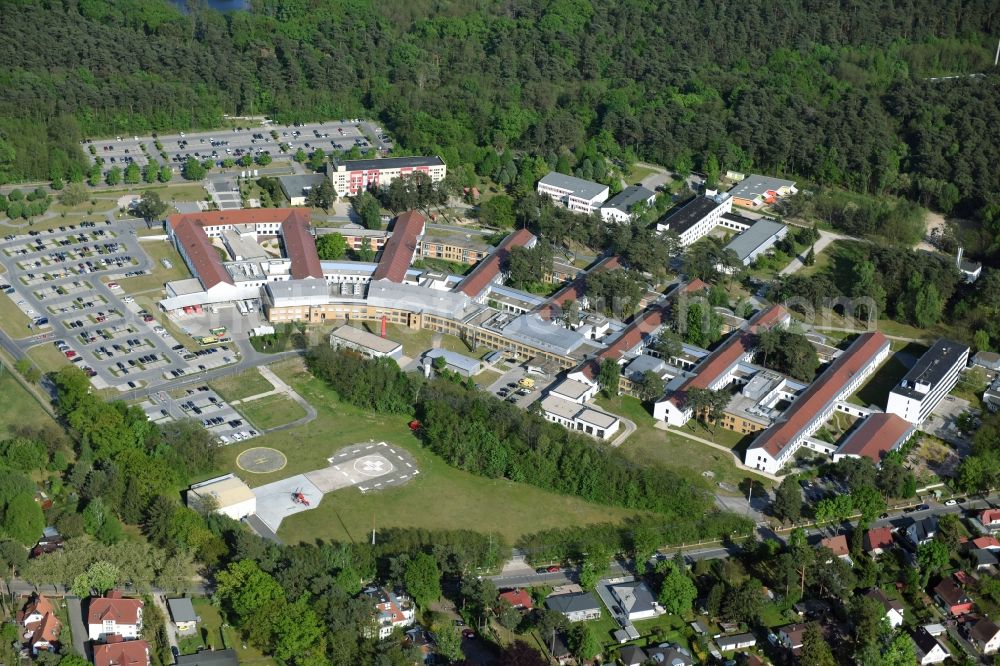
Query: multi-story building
point(619, 207)
point(927, 382)
point(112, 616)
point(129, 653)
point(698, 217)
point(352, 177)
point(875, 437)
point(814, 406)
point(576, 194)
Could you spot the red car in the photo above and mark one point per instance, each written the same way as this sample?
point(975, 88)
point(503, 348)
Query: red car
point(70, 353)
point(554, 569)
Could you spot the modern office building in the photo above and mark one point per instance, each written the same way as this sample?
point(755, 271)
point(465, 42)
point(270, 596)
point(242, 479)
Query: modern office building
point(927, 382)
point(696, 218)
point(577, 194)
point(352, 177)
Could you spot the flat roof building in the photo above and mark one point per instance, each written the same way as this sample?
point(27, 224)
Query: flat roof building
point(460, 363)
point(758, 239)
point(228, 494)
point(577, 194)
point(695, 219)
point(352, 177)
point(932, 377)
point(619, 207)
point(372, 346)
point(755, 190)
point(575, 416)
point(298, 186)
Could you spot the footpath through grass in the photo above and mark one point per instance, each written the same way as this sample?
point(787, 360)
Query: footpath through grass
point(241, 385)
point(271, 411)
point(440, 497)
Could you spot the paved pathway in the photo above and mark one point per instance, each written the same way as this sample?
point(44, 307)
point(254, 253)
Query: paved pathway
point(76, 626)
point(825, 238)
point(630, 428)
point(281, 387)
point(161, 603)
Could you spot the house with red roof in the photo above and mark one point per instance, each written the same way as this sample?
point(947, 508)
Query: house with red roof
point(814, 406)
point(878, 540)
point(40, 628)
point(950, 594)
point(112, 616)
point(518, 598)
point(838, 546)
point(990, 520)
point(122, 653)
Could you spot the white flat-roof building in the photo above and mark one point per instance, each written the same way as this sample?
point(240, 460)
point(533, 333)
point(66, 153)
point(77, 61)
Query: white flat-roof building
point(371, 346)
point(228, 494)
point(352, 177)
point(756, 190)
point(574, 416)
point(758, 239)
point(698, 217)
point(577, 194)
point(927, 382)
point(574, 390)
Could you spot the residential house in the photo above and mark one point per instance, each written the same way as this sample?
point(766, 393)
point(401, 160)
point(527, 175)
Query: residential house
point(576, 606)
point(393, 609)
point(838, 546)
point(986, 636)
point(50, 542)
point(737, 642)
point(40, 628)
point(209, 658)
point(518, 598)
point(632, 655)
point(122, 653)
point(183, 615)
point(990, 520)
point(670, 654)
point(112, 616)
point(929, 649)
point(952, 597)
point(419, 638)
point(351, 177)
point(921, 531)
point(893, 609)
point(878, 540)
point(985, 542)
point(985, 559)
point(635, 601)
point(559, 651)
point(791, 635)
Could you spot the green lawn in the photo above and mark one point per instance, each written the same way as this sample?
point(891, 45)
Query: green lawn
point(47, 358)
point(12, 319)
point(157, 250)
point(212, 635)
point(648, 444)
point(20, 408)
point(241, 385)
point(638, 173)
point(271, 411)
point(440, 497)
point(876, 390)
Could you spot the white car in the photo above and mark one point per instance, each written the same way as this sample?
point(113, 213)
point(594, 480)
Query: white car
point(951, 502)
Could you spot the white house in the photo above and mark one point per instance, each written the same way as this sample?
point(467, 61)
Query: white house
point(928, 649)
point(577, 606)
point(635, 600)
point(986, 636)
point(227, 494)
point(928, 381)
point(574, 390)
point(114, 616)
point(577, 194)
point(575, 416)
point(893, 609)
point(392, 610)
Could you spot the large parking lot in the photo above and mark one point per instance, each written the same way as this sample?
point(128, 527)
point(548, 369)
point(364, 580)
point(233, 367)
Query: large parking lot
point(205, 405)
point(520, 387)
point(54, 277)
point(217, 145)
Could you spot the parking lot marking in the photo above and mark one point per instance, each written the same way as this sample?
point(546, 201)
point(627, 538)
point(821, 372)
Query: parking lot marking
point(404, 476)
point(409, 465)
point(377, 485)
point(370, 446)
point(393, 450)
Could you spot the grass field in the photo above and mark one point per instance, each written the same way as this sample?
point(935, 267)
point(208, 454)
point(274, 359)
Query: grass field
point(47, 357)
point(157, 250)
point(212, 635)
point(242, 385)
point(19, 407)
point(270, 411)
point(440, 497)
point(649, 444)
point(12, 320)
point(638, 173)
point(876, 390)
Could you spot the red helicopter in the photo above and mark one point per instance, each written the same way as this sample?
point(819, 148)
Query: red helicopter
point(299, 497)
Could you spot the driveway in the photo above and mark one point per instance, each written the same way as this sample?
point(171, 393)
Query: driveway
point(825, 238)
point(76, 626)
point(161, 603)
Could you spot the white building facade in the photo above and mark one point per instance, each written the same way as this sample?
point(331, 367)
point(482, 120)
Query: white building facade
point(928, 382)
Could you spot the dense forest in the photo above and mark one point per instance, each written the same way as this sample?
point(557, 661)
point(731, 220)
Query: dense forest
point(834, 92)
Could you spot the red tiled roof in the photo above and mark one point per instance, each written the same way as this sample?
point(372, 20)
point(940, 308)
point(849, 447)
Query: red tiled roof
point(47, 630)
point(397, 253)
point(200, 252)
point(39, 604)
point(877, 436)
point(128, 653)
point(122, 611)
point(694, 285)
point(985, 542)
point(517, 598)
point(300, 246)
point(989, 516)
point(576, 289)
point(821, 391)
point(486, 270)
point(838, 544)
point(729, 352)
point(878, 537)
